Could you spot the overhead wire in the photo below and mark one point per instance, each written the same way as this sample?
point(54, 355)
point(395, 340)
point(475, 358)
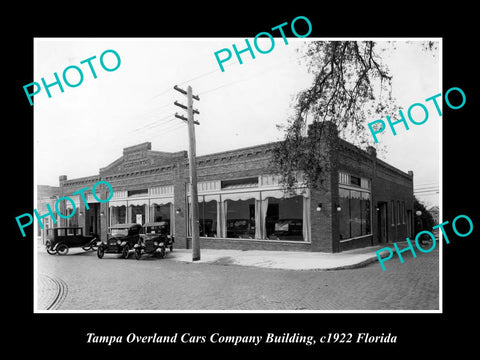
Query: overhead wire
point(151, 112)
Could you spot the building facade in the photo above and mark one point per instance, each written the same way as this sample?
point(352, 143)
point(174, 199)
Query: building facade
point(242, 205)
point(46, 195)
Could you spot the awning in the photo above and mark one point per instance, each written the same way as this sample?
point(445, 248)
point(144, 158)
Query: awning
point(280, 194)
point(206, 198)
point(137, 202)
point(117, 203)
point(161, 200)
point(241, 196)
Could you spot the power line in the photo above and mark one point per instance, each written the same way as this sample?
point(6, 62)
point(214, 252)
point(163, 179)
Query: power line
point(200, 76)
point(216, 70)
point(154, 123)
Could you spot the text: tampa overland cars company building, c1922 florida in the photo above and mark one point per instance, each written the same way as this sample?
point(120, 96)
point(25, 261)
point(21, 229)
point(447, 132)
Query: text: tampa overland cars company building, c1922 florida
point(364, 201)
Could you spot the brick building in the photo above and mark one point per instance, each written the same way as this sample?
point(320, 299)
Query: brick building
point(364, 201)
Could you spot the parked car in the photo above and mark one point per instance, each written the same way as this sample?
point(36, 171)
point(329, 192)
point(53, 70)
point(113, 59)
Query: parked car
point(60, 239)
point(120, 240)
point(154, 240)
point(240, 228)
point(287, 229)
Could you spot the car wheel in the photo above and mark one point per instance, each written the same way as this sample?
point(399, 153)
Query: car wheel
point(100, 252)
point(62, 249)
point(125, 251)
point(94, 246)
point(86, 247)
point(138, 254)
point(48, 246)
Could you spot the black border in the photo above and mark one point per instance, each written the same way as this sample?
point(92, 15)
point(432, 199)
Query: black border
point(54, 334)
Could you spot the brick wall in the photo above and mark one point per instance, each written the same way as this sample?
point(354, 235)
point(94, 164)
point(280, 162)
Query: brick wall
point(392, 185)
point(387, 183)
point(247, 244)
point(324, 223)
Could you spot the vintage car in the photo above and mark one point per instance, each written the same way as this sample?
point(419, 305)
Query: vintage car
point(120, 240)
point(60, 239)
point(154, 240)
point(240, 228)
point(287, 229)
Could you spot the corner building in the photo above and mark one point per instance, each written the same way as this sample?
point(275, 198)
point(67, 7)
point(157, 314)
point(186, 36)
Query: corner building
point(363, 200)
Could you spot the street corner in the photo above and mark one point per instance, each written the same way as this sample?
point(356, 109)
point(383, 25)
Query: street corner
point(280, 260)
point(208, 256)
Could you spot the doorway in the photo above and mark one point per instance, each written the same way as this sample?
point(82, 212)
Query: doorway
point(92, 219)
point(382, 222)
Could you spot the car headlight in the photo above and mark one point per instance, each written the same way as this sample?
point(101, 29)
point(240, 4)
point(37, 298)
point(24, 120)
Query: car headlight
point(118, 242)
point(161, 244)
point(155, 243)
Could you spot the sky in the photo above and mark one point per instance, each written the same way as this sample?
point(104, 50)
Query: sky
point(85, 128)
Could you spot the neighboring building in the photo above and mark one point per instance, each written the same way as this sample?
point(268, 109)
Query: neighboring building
point(46, 194)
point(364, 201)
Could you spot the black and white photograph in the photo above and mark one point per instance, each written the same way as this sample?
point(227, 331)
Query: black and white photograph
point(277, 174)
point(240, 180)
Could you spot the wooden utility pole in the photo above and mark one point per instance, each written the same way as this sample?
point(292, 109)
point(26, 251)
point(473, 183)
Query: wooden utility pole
point(195, 224)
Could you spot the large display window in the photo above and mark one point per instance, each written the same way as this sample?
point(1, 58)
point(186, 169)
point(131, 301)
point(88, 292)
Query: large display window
point(261, 215)
point(355, 213)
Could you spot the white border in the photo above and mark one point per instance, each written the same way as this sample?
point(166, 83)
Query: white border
point(439, 311)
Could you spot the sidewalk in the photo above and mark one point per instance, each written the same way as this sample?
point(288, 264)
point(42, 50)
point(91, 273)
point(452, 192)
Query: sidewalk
point(288, 260)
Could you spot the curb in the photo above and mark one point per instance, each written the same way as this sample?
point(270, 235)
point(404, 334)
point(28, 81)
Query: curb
point(227, 261)
point(361, 264)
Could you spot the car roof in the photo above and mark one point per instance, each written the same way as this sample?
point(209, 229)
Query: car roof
point(65, 227)
point(156, 223)
point(124, 226)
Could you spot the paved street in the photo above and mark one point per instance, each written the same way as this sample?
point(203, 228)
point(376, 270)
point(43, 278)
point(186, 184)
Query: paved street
point(81, 281)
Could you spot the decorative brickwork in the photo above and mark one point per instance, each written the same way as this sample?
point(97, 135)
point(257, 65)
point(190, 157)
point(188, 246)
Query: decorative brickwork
point(153, 173)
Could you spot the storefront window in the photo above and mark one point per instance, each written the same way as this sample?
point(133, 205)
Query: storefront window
point(354, 217)
point(284, 219)
point(138, 214)
point(118, 214)
point(72, 221)
point(260, 217)
point(162, 212)
point(240, 219)
point(208, 218)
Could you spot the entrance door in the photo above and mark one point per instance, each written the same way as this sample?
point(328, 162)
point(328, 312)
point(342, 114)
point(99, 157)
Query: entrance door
point(92, 220)
point(382, 222)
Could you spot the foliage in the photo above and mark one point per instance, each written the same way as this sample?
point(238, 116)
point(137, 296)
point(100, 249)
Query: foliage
point(424, 221)
point(350, 85)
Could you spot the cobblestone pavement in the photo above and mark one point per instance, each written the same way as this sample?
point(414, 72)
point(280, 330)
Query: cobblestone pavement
point(162, 284)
